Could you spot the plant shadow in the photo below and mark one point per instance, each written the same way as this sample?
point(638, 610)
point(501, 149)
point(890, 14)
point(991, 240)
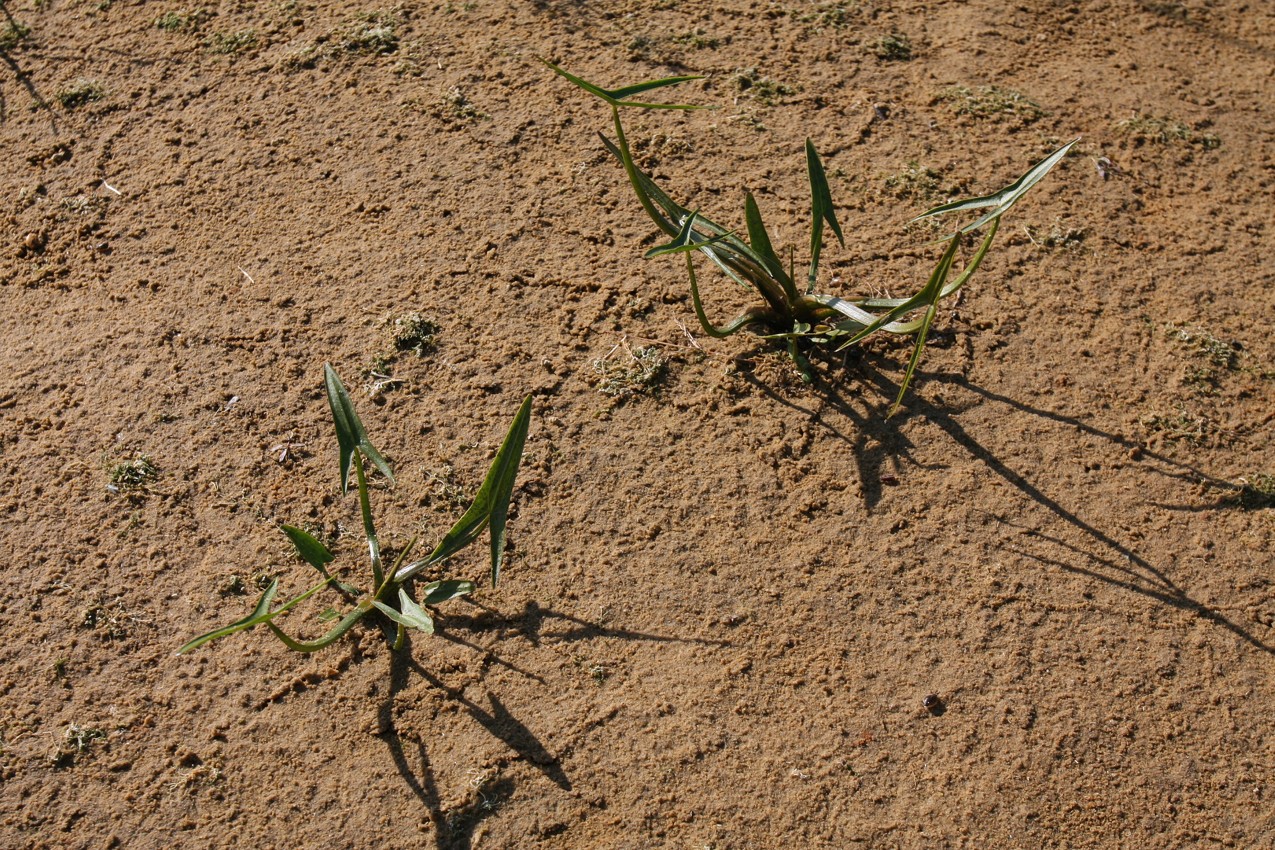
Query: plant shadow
point(877, 440)
point(454, 830)
point(1110, 561)
point(23, 77)
point(879, 448)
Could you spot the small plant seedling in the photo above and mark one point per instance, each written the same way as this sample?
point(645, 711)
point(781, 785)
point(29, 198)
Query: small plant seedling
point(894, 47)
point(1144, 129)
point(988, 102)
point(698, 39)
point(183, 20)
point(133, 474)
point(791, 312)
point(371, 33)
point(1256, 492)
point(455, 107)
point(79, 93)
point(1182, 425)
point(231, 43)
point(750, 83)
point(1217, 351)
point(368, 34)
point(76, 741)
point(628, 372)
point(12, 33)
point(392, 594)
point(914, 183)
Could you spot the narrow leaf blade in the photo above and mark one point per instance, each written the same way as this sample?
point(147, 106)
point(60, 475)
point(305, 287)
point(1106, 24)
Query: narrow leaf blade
point(490, 507)
point(1004, 199)
point(616, 97)
point(821, 210)
point(311, 550)
point(504, 470)
point(438, 592)
point(685, 240)
point(348, 426)
point(259, 615)
point(759, 239)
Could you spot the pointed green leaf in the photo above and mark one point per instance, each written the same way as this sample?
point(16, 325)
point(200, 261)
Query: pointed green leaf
point(821, 210)
point(350, 434)
point(410, 614)
point(490, 507)
point(504, 469)
point(685, 240)
point(928, 293)
point(915, 359)
point(415, 613)
point(329, 638)
point(616, 97)
point(260, 614)
point(437, 592)
point(1005, 198)
point(314, 553)
point(759, 238)
point(311, 550)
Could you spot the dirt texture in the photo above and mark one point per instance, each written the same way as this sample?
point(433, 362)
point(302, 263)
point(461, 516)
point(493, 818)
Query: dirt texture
point(728, 593)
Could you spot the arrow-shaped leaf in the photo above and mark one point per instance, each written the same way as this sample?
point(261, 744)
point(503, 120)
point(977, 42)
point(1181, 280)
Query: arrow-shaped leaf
point(1005, 198)
point(820, 211)
point(490, 507)
point(616, 97)
point(409, 614)
point(260, 614)
point(350, 434)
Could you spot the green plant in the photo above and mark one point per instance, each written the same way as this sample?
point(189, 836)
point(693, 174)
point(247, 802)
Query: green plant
point(1182, 425)
point(1143, 129)
point(133, 474)
point(12, 33)
point(79, 93)
point(698, 39)
point(1256, 492)
point(894, 47)
point(392, 593)
point(183, 20)
point(750, 83)
point(990, 102)
point(628, 372)
point(914, 183)
point(229, 43)
point(828, 15)
point(798, 316)
point(454, 107)
point(76, 741)
point(372, 33)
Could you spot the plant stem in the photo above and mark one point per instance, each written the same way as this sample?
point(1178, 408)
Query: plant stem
point(369, 530)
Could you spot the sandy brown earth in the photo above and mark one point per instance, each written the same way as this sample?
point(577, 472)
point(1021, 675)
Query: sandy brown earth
point(728, 593)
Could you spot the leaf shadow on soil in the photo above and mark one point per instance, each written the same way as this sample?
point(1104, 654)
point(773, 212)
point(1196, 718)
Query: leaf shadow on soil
point(1119, 566)
point(877, 439)
point(454, 830)
point(23, 78)
point(1111, 561)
